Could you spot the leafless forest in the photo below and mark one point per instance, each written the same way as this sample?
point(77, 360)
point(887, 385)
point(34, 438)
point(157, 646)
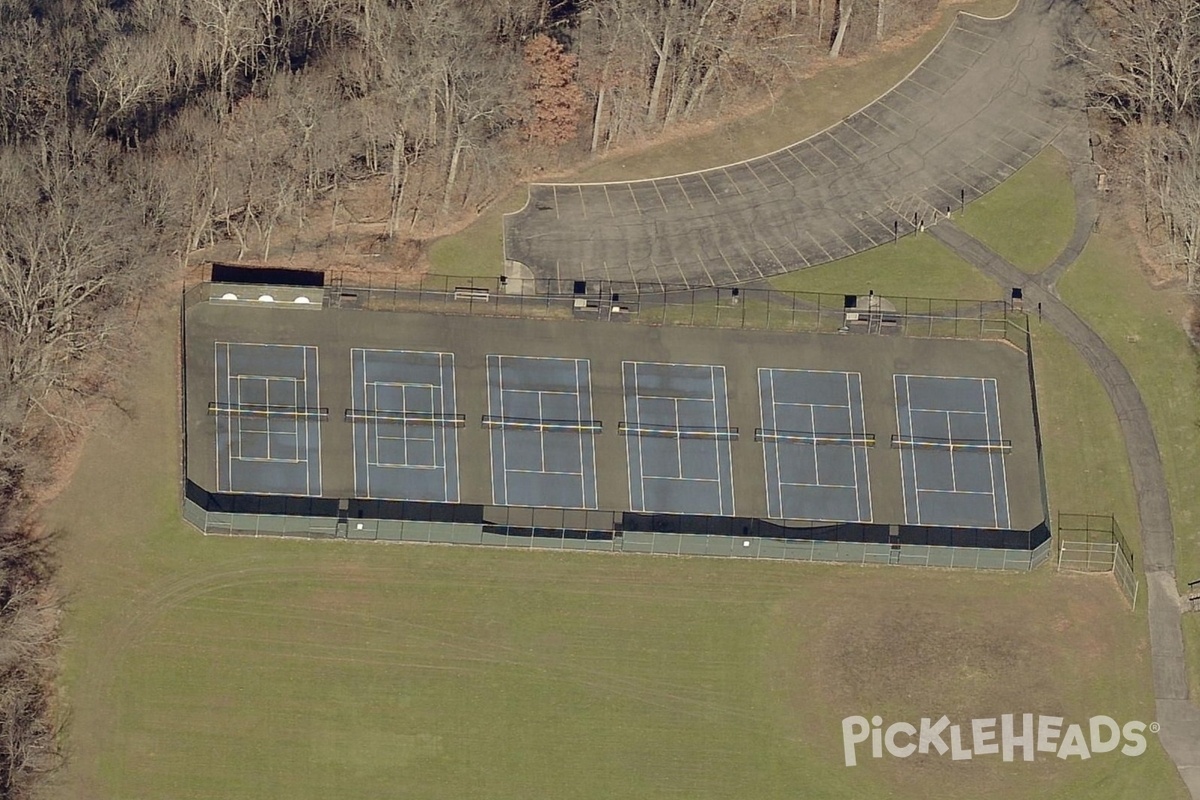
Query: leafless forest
point(1142, 62)
point(135, 133)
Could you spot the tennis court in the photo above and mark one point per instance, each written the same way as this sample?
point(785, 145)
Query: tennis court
point(952, 451)
point(268, 419)
point(592, 426)
point(815, 444)
point(677, 438)
point(405, 425)
point(542, 440)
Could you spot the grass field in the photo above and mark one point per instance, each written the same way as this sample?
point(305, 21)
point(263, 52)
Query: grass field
point(1029, 218)
point(208, 667)
point(204, 667)
point(807, 107)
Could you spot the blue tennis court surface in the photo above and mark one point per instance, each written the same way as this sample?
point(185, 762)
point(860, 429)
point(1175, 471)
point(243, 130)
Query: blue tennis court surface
point(951, 451)
point(678, 438)
point(542, 432)
point(405, 425)
point(268, 423)
point(814, 445)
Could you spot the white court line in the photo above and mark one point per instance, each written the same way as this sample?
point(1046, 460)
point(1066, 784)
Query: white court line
point(724, 443)
point(955, 491)
point(540, 434)
point(583, 494)
point(945, 378)
point(492, 433)
point(676, 397)
point(853, 451)
point(390, 465)
point(628, 442)
point(637, 418)
point(353, 430)
point(373, 431)
point(862, 415)
point(679, 439)
point(402, 438)
point(503, 438)
point(946, 411)
point(310, 425)
point(544, 391)
point(817, 405)
point(812, 426)
point(821, 486)
point(235, 432)
point(950, 452)
point(762, 419)
point(1003, 465)
point(543, 435)
point(229, 396)
point(450, 407)
point(671, 364)
point(366, 430)
point(716, 480)
point(272, 460)
point(912, 453)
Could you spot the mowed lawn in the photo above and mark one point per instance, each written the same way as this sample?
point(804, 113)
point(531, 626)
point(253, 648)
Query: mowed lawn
point(1030, 217)
point(202, 667)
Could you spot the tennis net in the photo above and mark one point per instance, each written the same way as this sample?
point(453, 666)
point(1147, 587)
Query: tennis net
point(544, 425)
point(677, 432)
point(263, 410)
point(774, 435)
point(405, 417)
point(935, 443)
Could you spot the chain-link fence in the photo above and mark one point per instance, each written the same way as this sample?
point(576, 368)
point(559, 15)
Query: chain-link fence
point(1095, 543)
point(739, 308)
point(685, 544)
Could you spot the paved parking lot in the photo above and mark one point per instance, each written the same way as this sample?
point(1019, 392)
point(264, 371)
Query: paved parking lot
point(969, 116)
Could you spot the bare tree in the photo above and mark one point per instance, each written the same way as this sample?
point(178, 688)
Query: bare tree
point(844, 7)
point(68, 239)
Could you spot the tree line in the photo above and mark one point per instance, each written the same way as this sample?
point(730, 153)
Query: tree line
point(134, 133)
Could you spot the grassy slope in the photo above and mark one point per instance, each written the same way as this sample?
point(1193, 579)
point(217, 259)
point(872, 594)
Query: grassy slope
point(1086, 468)
point(1029, 218)
point(915, 266)
point(811, 105)
point(1143, 326)
point(206, 667)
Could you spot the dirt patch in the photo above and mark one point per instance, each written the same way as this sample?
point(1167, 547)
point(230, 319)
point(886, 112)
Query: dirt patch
point(922, 645)
point(1191, 323)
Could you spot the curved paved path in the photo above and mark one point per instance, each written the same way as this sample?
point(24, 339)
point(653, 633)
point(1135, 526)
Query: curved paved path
point(973, 112)
point(1179, 718)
